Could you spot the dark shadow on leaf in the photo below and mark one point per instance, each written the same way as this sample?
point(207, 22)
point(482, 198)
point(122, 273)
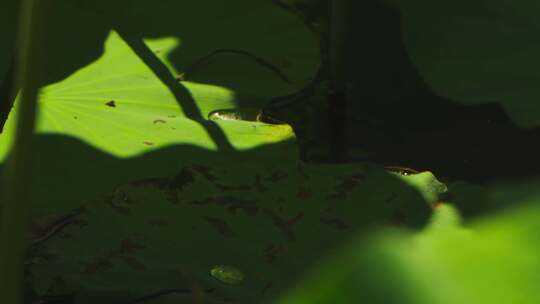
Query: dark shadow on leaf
point(181, 94)
point(418, 128)
point(396, 118)
point(303, 214)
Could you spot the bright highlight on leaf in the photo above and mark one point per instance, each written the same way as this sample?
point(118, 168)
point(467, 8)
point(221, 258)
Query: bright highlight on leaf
point(227, 274)
point(114, 104)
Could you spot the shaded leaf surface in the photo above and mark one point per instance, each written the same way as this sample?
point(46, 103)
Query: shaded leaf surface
point(169, 232)
point(478, 52)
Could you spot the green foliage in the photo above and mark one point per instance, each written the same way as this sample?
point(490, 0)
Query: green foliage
point(163, 196)
point(478, 52)
point(122, 107)
point(491, 260)
point(124, 96)
point(118, 93)
point(258, 218)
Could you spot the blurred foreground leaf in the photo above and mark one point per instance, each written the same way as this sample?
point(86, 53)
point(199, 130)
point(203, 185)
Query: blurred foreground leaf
point(493, 260)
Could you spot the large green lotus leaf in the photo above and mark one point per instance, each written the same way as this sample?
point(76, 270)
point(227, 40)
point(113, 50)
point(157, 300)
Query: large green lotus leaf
point(100, 51)
point(145, 114)
point(269, 222)
point(481, 51)
point(491, 260)
point(131, 71)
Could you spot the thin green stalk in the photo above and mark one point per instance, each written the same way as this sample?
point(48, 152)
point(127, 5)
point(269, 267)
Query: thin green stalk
point(15, 188)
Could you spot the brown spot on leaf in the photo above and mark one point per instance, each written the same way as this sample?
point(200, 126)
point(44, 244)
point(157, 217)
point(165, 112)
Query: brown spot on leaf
point(303, 193)
point(100, 264)
point(42, 228)
point(233, 188)
point(159, 121)
point(266, 287)
point(284, 226)
point(271, 252)
point(249, 207)
point(148, 143)
point(172, 196)
point(169, 185)
point(259, 276)
point(437, 204)
point(347, 184)
point(106, 260)
point(186, 176)
point(231, 203)
point(276, 176)
point(120, 201)
point(205, 171)
point(335, 222)
point(221, 226)
point(133, 262)
point(111, 104)
point(183, 178)
point(129, 246)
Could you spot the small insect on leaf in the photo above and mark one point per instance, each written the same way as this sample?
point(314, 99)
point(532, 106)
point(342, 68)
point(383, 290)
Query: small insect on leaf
point(227, 274)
